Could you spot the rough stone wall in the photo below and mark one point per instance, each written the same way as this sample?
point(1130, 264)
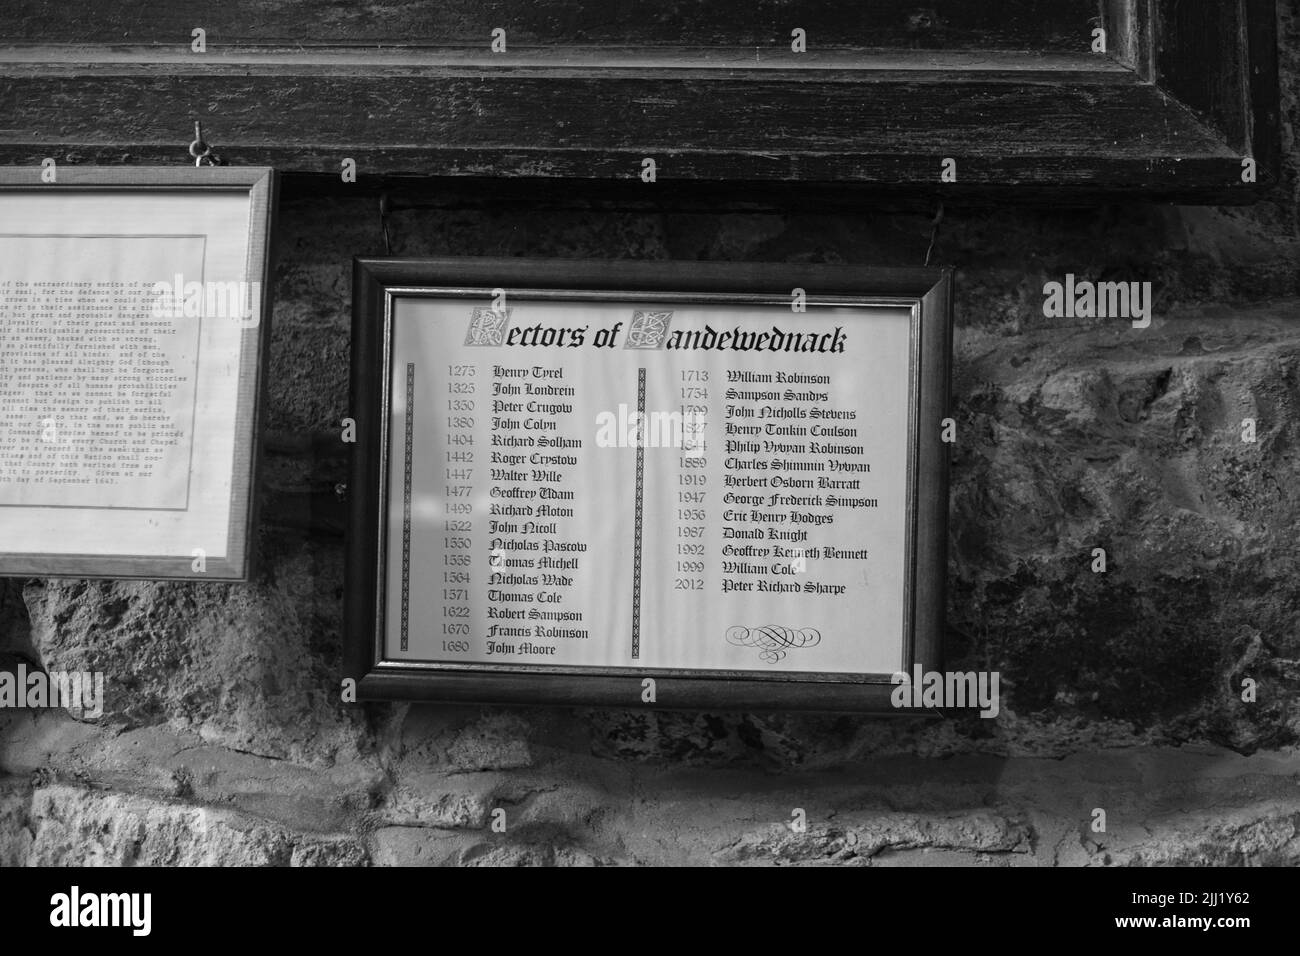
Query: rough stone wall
point(224, 740)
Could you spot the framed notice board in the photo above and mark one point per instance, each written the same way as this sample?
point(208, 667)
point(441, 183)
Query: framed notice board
point(134, 314)
point(678, 484)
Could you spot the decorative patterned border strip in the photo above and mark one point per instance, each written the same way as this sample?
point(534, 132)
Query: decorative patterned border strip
point(640, 515)
point(406, 502)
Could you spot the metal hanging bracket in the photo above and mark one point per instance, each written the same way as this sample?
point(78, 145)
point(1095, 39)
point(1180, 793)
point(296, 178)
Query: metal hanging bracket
point(201, 151)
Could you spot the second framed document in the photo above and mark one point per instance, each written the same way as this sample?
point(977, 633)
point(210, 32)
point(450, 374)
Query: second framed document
point(624, 484)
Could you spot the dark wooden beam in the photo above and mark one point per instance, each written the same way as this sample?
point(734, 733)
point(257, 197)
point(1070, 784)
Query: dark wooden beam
point(1004, 129)
point(1169, 113)
point(1059, 25)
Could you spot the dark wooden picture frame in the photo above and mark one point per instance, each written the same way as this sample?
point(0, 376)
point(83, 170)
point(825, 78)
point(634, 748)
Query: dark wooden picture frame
point(377, 283)
point(259, 186)
point(1012, 92)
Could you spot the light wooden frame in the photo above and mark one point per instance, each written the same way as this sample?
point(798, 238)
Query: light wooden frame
point(259, 185)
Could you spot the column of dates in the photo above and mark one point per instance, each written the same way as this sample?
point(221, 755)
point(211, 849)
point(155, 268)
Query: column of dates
point(458, 470)
point(692, 480)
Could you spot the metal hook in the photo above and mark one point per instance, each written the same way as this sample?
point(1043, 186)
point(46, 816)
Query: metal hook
point(934, 232)
point(200, 150)
point(384, 206)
